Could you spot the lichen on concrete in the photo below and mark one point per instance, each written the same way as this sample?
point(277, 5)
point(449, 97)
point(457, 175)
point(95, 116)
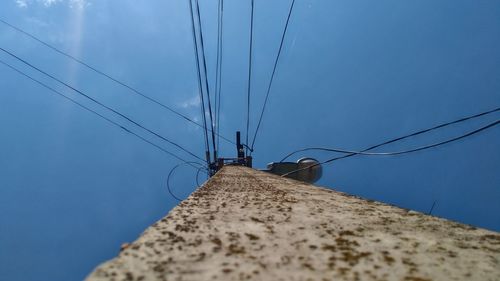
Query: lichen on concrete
point(249, 225)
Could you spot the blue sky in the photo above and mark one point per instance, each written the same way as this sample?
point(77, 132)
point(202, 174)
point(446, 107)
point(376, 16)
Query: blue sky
point(352, 74)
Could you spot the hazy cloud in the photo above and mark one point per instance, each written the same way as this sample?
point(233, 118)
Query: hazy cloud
point(191, 102)
point(76, 4)
point(21, 3)
point(79, 4)
point(48, 3)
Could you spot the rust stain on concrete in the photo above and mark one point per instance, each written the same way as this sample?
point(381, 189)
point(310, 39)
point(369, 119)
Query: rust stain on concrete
point(249, 225)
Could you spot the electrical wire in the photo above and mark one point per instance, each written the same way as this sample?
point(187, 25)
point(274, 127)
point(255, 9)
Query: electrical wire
point(99, 103)
point(273, 73)
point(197, 175)
point(249, 84)
point(432, 208)
point(209, 102)
point(91, 111)
point(219, 70)
point(405, 136)
point(490, 125)
point(200, 86)
point(108, 76)
point(177, 166)
point(217, 67)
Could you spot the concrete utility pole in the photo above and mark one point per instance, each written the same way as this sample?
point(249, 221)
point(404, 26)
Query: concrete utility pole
point(244, 224)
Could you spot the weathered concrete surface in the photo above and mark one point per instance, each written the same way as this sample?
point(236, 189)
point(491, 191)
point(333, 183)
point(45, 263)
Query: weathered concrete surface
point(249, 225)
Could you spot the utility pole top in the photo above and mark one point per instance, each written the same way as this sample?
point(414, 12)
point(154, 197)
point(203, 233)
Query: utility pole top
point(244, 224)
point(240, 160)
